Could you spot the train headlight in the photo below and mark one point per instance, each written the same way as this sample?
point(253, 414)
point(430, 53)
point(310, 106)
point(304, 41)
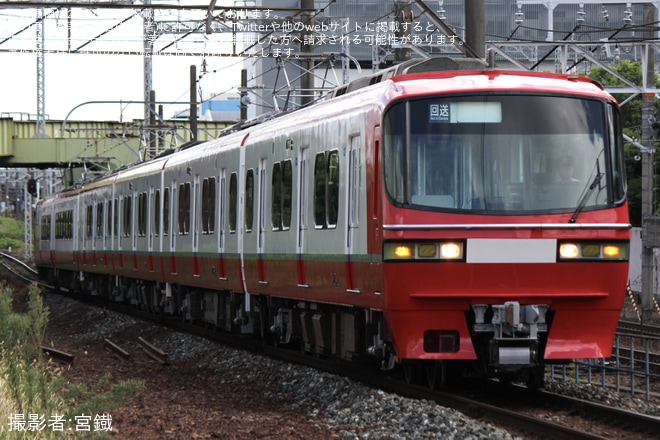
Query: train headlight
point(451, 251)
point(593, 251)
point(423, 251)
point(568, 250)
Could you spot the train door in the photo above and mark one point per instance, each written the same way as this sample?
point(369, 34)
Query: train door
point(86, 223)
point(261, 238)
point(75, 227)
point(104, 231)
point(133, 228)
point(352, 211)
point(243, 220)
point(303, 191)
point(150, 226)
point(222, 223)
point(119, 230)
point(194, 224)
point(98, 231)
point(173, 228)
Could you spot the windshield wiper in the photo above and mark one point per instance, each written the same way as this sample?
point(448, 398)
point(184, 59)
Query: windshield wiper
point(587, 193)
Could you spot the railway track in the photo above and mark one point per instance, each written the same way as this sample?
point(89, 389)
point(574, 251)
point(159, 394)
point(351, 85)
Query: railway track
point(638, 328)
point(491, 409)
point(18, 268)
point(499, 413)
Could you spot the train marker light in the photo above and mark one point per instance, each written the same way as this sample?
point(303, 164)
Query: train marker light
point(424, 251)
point(612, 251)
point(593, 251)
point(403, 251)
point(427, 250)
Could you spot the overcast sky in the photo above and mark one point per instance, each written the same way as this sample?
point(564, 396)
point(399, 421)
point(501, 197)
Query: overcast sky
point(73, 79)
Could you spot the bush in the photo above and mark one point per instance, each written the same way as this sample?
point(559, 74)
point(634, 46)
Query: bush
point(29, 386)
point(33, 392)
point(12, 234)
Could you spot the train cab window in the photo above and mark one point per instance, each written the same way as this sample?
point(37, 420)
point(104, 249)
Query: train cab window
point(499, 153)
point(249, 200)
point(233, 201)
point(208, 205)
point(99, 220)
point(184, 208)
point(282, 188)
point(326, 189)
point(166, 211)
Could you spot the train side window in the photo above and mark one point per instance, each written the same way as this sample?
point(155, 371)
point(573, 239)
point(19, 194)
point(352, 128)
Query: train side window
point(88, 220)
point(208, 205)
point(276, 209)
point(108, 220)
point(249, 200)
point(128, 215)
point(332, 193)
point(115, 219)
point(166, 211)
point(69, 224)
point(282, 191)
point(142, 214)
point(157, 213)
point(233, 200)
point(45, 227)
point(326, 189)
point(99, 220)
point(184, 208)
point(287, 193)
point(320, 170)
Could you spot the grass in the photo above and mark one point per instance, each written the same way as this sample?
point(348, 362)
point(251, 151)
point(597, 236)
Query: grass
point(12, 234)
point(34, 396)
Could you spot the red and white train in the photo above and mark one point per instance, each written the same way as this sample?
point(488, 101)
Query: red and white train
point(430, 216)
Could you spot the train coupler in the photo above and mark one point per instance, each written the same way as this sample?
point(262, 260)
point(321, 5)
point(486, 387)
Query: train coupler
point(511, 320)
point(515, 331)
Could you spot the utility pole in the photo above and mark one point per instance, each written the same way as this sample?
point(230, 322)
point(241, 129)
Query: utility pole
point(648, 158)
point(307, 63)
point(41, 75)
point(475, 31)
point(403, 14)
point(149, 32)
point(193, 102)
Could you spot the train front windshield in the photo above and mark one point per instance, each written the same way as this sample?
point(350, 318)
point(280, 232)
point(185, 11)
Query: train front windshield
point(506, 154)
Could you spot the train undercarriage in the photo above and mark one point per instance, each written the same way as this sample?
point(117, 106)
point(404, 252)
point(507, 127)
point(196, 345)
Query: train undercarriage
point(509, 339)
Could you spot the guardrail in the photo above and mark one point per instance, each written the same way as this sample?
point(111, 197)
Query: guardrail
point(634, 367)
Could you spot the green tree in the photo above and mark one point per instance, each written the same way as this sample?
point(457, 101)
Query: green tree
point(631, 114)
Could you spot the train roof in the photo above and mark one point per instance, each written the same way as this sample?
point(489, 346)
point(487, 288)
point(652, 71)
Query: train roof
point(409, 79)
point(499, 80)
